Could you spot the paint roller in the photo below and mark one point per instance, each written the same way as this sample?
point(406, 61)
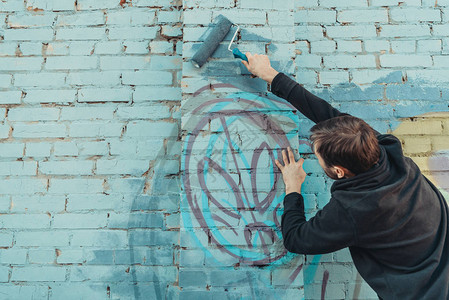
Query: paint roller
point(210, 44)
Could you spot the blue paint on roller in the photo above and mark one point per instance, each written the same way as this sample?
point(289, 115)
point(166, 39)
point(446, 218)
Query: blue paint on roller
point(211, 43)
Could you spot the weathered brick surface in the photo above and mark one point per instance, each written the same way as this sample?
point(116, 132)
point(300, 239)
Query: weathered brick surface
point(75, 82)
point(94, 140)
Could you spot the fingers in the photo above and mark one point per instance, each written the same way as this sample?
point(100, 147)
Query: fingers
point(288, 159)
point(279, 165)
point(284, 157)
point(291, 156)
point(249, 56)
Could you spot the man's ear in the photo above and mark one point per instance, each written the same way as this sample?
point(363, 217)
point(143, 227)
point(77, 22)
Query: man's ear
point(340, 172)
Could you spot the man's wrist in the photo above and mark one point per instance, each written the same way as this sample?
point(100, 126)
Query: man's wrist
point(269, 76)
point(289, 190)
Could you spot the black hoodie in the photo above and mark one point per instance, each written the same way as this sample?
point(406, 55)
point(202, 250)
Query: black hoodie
point(392, 218)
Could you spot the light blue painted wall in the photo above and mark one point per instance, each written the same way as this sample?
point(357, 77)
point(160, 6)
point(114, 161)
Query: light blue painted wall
point(97, 107)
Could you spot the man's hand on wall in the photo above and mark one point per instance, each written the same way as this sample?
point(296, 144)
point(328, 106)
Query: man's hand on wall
point(292, 172)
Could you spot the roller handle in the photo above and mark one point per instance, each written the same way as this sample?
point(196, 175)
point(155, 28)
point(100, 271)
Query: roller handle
point(238, 54)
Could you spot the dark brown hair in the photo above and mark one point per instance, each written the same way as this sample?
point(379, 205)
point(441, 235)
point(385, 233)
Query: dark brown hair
point(346, 141)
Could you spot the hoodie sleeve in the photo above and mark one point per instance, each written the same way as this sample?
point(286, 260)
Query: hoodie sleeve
point(311, 106)
point(331, 229)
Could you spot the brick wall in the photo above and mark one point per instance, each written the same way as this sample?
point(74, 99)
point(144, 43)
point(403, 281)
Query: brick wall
point(90, 100)
point(126, 173)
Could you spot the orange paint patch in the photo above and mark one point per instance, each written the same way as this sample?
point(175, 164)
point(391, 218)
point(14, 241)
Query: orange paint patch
point(30, 8)
point(124, 2)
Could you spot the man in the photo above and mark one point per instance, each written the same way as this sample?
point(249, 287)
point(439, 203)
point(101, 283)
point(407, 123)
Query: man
point(394, 220)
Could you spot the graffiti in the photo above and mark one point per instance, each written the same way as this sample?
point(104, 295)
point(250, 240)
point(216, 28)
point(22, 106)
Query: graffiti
point(232, 191)
point(231, 140)
point(231, 144)
point(324, 285)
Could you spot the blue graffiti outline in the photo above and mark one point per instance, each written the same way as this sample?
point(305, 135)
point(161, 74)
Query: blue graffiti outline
point(187, 218)
point(207, 214)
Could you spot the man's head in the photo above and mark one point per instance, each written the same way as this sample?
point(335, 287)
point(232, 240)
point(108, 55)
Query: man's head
point(345, 146)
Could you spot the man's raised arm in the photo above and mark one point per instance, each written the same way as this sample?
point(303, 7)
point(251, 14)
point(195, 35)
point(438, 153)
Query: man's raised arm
point(311, 106)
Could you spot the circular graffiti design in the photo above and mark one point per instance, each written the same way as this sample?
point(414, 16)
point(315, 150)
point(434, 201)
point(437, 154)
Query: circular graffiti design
point(230, 181)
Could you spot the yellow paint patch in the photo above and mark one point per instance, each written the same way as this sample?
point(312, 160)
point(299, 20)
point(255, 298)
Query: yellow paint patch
point(422, 138)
